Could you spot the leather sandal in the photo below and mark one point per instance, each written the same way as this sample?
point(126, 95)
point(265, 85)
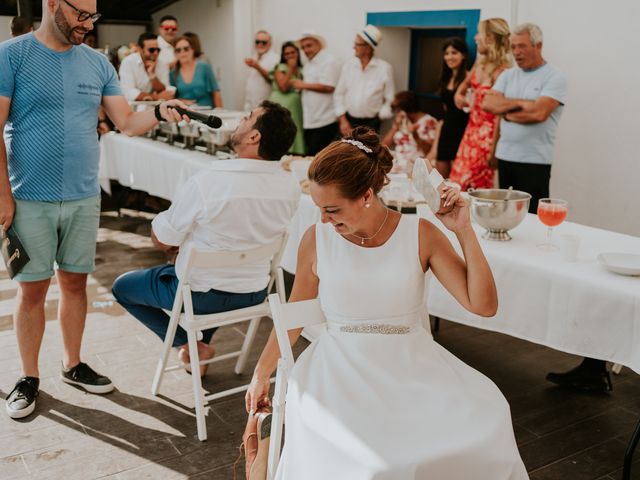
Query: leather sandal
point(255, 445)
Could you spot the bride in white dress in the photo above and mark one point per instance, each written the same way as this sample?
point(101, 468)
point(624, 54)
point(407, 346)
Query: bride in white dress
point(375, 397)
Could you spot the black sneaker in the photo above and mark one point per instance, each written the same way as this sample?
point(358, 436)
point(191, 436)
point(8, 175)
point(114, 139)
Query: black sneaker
point(84, 376)
point(21, 402)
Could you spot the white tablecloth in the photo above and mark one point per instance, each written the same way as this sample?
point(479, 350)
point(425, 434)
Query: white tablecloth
point(148, 165)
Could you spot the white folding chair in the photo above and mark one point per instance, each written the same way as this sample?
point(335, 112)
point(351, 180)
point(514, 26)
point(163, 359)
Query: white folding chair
point(194, 324)
point(286, 316)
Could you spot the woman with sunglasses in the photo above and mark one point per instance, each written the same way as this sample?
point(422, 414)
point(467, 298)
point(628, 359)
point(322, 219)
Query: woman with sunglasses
point(194, 80)
point(288, 70)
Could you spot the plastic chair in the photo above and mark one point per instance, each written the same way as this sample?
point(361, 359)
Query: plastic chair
point(194, 324)
point(286, 316)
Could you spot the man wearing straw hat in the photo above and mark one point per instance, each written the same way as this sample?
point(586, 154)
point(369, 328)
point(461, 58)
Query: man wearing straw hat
point(321, 74)
point(365, 90)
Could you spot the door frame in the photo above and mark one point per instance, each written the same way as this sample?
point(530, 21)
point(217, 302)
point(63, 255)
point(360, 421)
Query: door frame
point(426, 19)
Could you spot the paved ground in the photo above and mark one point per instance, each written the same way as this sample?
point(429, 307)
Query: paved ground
point(131, 435)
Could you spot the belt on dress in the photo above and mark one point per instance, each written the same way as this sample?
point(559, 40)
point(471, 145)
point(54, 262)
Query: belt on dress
point(406, 324)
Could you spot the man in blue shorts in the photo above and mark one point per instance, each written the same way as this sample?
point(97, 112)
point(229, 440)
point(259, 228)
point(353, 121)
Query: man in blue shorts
point(51, 87)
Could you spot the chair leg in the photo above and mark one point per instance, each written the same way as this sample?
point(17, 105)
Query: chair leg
point(628, 455)
point(277, 419)
point(198, 394)
point(166, 348)
point(247, 344)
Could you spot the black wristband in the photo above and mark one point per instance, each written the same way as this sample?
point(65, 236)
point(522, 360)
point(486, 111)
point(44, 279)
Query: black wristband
point(156, 112)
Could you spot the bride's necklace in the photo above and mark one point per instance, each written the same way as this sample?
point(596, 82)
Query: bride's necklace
point(362, 239)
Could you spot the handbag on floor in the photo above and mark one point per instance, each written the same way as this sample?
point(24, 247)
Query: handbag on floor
point(255, 444)
point(13, 253)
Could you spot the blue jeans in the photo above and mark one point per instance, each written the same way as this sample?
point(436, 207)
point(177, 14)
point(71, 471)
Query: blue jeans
point(145, 293)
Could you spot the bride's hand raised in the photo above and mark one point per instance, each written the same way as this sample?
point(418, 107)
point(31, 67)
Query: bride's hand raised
point(257, 394)
point(458, 218)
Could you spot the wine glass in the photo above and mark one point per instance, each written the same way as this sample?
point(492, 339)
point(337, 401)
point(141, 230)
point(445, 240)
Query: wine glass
point(551, 212)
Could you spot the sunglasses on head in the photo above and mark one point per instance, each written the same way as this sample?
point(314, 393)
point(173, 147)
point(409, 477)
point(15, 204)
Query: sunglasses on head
point(169, 28)
point(262, 42)
point(153, 50)
point(181, 49)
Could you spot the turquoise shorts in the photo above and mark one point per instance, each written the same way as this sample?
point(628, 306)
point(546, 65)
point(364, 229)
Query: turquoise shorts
point(61, 233)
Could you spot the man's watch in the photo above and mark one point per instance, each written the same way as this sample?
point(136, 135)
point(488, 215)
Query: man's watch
point(156, 112)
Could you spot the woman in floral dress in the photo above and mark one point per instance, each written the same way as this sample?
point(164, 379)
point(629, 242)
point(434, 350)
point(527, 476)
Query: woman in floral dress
point(472, 168)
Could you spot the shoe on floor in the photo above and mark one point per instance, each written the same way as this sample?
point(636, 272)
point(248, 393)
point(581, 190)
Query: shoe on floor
point(84, 376)
point(21, 402)
point(583, 378)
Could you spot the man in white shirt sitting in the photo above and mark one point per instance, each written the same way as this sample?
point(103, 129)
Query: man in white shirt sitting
point(258, 87)
point(321, 74)
point(142, 75)
point(238, 204)
point(365, 91)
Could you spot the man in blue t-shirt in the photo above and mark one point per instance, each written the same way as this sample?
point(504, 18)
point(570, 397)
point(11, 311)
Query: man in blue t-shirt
point(530, 98)
point(51, 87)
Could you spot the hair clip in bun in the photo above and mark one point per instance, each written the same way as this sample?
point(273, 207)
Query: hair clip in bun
point(357, 143)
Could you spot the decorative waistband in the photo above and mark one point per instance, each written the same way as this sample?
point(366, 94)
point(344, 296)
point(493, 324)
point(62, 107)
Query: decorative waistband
point(375, 328)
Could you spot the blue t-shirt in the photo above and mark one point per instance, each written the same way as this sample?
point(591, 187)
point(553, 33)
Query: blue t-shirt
point(532, 142)
point(50, 135)
point(201, 87)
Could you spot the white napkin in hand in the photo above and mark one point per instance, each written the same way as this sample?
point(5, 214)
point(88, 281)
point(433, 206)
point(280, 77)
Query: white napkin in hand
point(427, 183)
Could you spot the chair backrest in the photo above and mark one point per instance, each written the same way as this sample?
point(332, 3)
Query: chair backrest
point(289, 316)
point(215, 258)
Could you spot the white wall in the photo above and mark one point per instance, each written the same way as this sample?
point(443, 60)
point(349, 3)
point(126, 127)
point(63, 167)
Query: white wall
point(593, 42)
point(5, 31)
point(116, 35)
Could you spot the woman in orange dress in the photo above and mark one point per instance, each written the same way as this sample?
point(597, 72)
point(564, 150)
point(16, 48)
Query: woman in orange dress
point(472, 168)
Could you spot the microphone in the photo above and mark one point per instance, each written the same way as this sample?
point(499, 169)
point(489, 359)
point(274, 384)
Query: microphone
point(209, 120)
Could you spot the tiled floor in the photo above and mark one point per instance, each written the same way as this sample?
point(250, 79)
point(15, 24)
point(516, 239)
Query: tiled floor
point(131, 435)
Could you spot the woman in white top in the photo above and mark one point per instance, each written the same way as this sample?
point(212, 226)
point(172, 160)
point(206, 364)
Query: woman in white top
point(375, 397)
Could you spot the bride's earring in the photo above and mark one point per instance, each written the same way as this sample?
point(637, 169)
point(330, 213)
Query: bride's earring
point(367, 205)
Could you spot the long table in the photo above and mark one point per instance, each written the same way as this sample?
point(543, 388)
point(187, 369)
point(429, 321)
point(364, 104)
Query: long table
point(577, 307)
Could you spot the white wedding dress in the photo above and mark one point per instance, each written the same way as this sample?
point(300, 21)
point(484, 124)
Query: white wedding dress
point(375, 397)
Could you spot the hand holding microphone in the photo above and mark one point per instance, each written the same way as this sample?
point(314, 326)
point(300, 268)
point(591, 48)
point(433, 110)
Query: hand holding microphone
point(175, 111)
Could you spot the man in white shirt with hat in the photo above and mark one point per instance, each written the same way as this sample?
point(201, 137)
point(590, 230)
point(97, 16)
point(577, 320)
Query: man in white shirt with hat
point(258, 86)
point(321, 75)
point(365, 90)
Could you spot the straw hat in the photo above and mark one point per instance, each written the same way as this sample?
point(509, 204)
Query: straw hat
point(310, 33)
point(371, 35)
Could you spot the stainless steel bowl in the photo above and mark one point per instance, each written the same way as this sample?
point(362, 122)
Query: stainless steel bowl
point(499, 211)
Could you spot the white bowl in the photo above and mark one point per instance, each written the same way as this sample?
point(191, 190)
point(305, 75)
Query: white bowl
point(622, 263)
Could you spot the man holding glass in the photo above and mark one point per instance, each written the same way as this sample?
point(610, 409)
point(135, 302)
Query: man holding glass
point(258, 87)
point(51, 88)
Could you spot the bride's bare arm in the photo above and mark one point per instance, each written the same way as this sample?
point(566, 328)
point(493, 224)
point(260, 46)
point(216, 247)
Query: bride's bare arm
point(469, 280)
point(305, 287)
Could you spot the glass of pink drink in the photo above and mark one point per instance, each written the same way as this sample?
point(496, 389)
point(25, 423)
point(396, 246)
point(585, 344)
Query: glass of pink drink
point(551, 212)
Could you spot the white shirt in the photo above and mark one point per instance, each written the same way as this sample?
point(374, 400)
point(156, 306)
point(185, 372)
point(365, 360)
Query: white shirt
point(135, 79)
point(239, 204)
point(365, 93)
point(166, 52)
point(317, 108)
point(257, 88)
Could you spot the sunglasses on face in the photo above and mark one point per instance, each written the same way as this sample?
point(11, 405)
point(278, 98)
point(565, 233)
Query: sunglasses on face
point(84, 16)
point(181, 49)
point(153, 50)
point(169, 28)
point(262, 42)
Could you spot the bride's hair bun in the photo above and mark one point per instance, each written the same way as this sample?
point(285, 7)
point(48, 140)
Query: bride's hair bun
point(355, 164)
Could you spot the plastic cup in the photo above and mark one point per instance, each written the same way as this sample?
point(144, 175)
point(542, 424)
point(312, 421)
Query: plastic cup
point(569, 246)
